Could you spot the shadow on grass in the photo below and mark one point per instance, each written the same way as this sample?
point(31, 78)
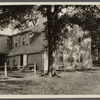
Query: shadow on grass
point(14, 76)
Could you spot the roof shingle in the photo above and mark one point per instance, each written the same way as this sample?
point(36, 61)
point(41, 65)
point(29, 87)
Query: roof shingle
point(35, 47)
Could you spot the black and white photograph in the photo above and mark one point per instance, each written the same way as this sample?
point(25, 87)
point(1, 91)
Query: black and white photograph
point(50, 49)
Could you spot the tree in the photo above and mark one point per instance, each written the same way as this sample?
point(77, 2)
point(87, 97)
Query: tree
point(52, 32)
point(18, 16)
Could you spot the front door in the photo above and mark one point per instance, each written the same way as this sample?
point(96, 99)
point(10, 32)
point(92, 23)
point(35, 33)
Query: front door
point(21, 60)
point(2, 59)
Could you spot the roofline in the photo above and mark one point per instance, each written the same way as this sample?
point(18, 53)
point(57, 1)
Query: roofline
point(24, 30)
point(25, 53)
point(20, 33)
point(4, 35)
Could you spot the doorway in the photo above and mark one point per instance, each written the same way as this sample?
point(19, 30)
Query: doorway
point(21, 60)
point(2, 59)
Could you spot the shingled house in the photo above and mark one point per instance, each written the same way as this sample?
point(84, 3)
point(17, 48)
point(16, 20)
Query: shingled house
point(27, 48)
point(77, 49)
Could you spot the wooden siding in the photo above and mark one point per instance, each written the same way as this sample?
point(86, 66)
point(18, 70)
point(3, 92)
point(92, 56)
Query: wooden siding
point(36, 58)
point(5, 44)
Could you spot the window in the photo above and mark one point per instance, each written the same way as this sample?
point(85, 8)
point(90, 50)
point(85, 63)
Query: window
point(15, 42)
point(23, 41)
point(61, 57)
point(81, 58)
point(7, 61)
point(77, 57)
point(19, 41)
point(27, 39)
point(60, 47)
point(79, 39)
point(8, 42)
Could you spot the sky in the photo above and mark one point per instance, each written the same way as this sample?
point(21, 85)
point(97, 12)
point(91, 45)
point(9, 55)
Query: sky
point(10, 31)
point(6, 31)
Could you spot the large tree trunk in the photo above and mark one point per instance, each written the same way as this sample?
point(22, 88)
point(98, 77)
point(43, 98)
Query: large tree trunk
point(52, 31)
point(50, 45)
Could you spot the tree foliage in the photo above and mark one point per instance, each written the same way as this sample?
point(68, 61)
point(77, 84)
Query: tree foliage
point(18, 16)
point(88, 18)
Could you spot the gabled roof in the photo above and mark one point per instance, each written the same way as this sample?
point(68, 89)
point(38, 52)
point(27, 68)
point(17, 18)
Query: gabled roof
point(36, 29)
point(37, 44)
point(5, 35)
point(35, 47)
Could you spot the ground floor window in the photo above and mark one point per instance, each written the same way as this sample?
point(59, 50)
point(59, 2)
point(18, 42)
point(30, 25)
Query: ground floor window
point(61, 57)
point(81, 58)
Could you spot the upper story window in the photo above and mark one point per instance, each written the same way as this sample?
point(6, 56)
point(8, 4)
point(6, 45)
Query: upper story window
point(23, 41)
point(19, 41)
point(8, 41)
point(15, 42)
point(79, 40)
point(27, 40)
point(61, 47)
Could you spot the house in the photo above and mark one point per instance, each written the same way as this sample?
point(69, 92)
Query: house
point(27, 48)
point(77, 49)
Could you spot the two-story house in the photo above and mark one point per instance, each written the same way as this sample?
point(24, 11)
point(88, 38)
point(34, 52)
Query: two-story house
point(77, 49)
point(27, 48)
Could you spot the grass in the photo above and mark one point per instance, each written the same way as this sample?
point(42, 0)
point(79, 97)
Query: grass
point(70, 83)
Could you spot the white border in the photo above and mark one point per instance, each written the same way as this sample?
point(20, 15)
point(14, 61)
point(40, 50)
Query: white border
point(49, 3)
point(49, 96)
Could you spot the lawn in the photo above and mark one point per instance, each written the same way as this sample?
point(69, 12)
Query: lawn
point(70, 83)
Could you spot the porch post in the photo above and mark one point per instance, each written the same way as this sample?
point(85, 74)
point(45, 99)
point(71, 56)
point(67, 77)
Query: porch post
point(24, 59)
point(5, 65)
